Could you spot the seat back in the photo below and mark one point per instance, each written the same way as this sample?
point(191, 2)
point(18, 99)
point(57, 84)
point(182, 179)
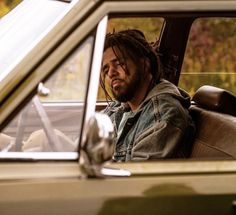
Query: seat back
point(214, 113)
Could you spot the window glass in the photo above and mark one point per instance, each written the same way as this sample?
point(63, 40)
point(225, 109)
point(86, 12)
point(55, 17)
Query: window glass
point(68, 83)
point(210, 57)
point(51, 122)
point(150, 26)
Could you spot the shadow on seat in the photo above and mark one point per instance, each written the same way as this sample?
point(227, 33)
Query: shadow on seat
point(214, 112)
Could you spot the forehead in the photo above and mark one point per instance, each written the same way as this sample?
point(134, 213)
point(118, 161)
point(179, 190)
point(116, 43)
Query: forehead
point(111, 54)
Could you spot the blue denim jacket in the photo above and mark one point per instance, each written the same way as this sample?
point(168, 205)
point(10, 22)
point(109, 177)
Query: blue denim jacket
point(160, 128)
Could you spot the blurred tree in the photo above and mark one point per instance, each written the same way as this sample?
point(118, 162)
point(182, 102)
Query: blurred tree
point(210, 57)
point(7, 5)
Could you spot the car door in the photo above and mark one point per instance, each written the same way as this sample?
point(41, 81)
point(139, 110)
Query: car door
point(54, 181)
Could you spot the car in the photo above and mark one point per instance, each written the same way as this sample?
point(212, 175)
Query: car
point(53, 135)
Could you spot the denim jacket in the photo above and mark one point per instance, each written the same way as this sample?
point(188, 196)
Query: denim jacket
point(160, 128)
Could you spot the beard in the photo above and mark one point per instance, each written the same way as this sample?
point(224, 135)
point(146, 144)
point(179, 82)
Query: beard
point(127, 91)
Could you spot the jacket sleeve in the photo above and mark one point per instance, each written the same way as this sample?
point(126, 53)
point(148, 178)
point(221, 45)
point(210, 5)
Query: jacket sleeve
point(168, 135)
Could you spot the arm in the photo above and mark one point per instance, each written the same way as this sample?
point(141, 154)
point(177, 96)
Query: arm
point(169, 136)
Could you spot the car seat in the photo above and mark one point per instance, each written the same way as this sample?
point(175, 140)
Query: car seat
point(214, 113)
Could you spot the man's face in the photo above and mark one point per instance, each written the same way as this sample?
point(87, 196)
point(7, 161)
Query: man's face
point(122, 75)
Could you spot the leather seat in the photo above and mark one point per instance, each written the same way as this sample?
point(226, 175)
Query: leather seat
point(214, 112)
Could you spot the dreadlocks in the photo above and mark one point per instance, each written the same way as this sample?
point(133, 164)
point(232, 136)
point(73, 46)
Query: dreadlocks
point(132, 43)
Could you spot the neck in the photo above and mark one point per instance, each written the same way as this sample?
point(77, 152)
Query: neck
point(141, 94)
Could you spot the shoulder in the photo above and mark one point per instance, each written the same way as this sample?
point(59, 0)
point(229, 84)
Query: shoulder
point(169, 93)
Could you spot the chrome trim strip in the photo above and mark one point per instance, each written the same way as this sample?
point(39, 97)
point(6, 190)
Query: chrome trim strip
point(39, 155)
point(96, 68)
point(115, 172)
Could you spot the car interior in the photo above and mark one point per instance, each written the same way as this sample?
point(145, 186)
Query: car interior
point(213, 111)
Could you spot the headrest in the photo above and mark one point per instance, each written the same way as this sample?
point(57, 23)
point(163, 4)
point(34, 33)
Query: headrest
point(216, 99)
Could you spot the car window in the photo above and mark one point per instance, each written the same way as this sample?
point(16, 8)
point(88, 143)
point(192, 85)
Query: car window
point(55, 115)
point(210, 58)
point(150, 26)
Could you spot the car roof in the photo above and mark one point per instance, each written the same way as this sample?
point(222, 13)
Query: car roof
point(23, 27)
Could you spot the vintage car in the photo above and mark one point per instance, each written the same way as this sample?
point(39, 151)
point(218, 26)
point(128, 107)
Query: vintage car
point(53, 137)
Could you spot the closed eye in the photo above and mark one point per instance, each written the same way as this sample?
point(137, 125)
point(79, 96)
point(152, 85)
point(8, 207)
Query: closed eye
point(105, 70)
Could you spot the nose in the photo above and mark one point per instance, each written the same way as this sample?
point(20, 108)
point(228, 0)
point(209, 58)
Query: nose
point(112, 72)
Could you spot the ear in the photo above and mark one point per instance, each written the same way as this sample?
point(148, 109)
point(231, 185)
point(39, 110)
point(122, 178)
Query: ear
point(146, 64)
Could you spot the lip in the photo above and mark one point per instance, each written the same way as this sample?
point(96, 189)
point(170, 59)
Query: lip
point(116, 82)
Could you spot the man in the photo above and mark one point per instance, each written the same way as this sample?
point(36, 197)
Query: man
point(150, 115)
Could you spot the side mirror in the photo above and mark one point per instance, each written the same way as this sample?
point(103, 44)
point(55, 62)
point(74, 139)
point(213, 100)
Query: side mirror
point(97, 146)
